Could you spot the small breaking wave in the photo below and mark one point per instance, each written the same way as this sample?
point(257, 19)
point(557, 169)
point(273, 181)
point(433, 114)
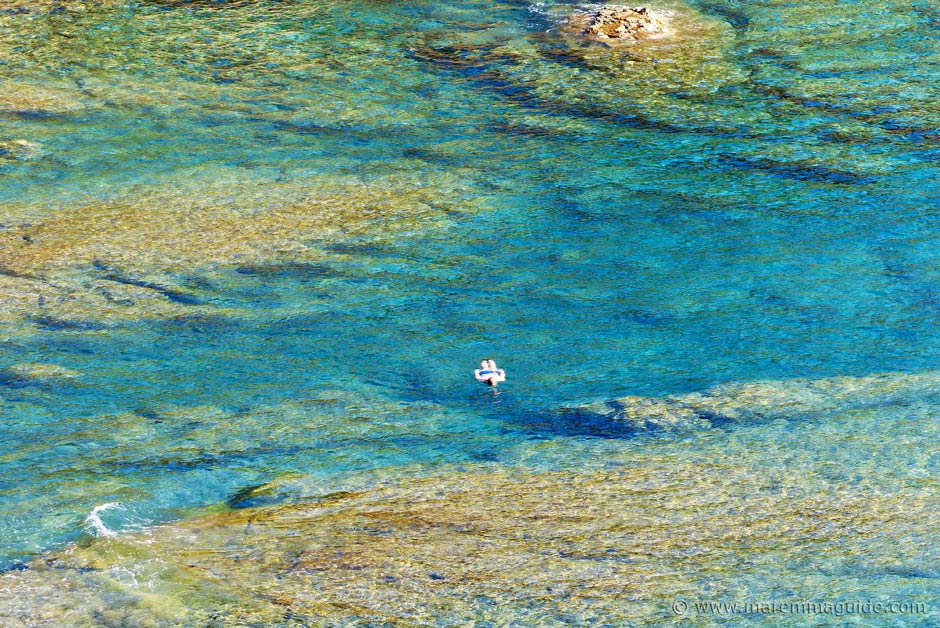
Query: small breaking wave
point(94, 523)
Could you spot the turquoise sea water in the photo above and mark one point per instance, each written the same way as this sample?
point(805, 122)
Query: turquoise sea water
point(756, 200)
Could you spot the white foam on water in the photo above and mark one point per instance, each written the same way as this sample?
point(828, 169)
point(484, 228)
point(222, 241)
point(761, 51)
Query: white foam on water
point(94, 521)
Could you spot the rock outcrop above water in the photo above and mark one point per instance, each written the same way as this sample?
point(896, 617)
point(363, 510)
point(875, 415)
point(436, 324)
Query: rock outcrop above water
point(613, 22)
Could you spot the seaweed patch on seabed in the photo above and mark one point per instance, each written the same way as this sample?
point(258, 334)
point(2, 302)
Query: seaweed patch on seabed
point(850, 81)
point(797, 170)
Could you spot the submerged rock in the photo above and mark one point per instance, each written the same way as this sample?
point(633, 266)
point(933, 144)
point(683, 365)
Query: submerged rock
point(481, 546)
point(764, 400)
point(33, 101)
point(628, 23)
point(16, 7)
point(36, 374)
point(158, 254)
point(600, 531)
point(19, 149)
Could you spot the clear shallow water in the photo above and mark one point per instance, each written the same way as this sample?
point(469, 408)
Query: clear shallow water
point(754, 203)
